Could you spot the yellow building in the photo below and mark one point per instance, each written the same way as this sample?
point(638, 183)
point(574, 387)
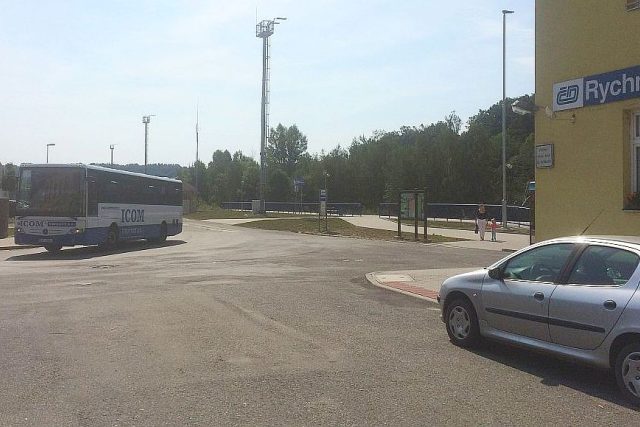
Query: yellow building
point(588, 117)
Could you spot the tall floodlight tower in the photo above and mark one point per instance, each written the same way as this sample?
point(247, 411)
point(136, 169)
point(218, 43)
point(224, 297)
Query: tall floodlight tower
point(264, 30)
point(111, 147)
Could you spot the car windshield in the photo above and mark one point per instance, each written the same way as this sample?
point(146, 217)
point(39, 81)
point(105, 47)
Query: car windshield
point(50, 192)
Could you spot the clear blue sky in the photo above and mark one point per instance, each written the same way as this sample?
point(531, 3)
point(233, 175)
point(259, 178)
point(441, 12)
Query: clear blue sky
point(81, 74)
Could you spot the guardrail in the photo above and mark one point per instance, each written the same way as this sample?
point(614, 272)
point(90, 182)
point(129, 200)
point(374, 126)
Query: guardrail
point(337, 209)
point(463, 211)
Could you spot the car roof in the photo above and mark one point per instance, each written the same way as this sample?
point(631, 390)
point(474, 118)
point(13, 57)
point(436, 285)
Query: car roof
point(625, 240)
point(631, 242)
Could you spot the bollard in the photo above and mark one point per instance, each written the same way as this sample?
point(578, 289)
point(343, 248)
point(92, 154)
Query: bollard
point(4, 217)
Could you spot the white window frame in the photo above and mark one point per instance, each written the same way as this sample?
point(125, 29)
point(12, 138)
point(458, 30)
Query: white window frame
point(635, 145)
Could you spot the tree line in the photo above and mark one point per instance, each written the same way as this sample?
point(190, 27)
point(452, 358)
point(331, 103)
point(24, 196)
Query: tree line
point(453, 164)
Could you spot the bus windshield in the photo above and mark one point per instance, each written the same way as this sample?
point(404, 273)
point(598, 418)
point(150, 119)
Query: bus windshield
point(51, 192)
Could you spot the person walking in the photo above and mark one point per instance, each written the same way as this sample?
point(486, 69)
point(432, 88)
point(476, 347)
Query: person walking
point(481, 220)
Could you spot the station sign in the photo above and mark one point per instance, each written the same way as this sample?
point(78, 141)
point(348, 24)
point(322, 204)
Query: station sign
point(298, 183)
point(597, 89)
point(544, 156)
point(323, 195)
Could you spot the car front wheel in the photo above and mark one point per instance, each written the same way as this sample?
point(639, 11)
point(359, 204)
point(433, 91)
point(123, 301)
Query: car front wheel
point(462, 323)
point(628, 372)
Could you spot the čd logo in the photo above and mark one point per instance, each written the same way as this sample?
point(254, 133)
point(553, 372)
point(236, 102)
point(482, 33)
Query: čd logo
point(568, 95)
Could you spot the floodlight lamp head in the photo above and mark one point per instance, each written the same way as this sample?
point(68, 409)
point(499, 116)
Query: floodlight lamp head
point(505, 11)
point(280, 18)
point(51, 144)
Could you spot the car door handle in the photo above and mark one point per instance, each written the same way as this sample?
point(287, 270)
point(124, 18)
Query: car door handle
point(538, 296)
point(610, 305)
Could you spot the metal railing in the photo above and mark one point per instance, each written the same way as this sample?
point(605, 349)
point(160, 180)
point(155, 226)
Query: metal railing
point(462, 211)
point(338, 209)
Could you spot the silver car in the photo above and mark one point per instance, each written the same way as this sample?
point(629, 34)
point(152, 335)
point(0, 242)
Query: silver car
point(575, 297)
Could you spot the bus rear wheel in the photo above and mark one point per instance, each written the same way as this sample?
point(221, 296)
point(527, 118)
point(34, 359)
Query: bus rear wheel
point(162, 236)
point(163, 232)
point(53, 248)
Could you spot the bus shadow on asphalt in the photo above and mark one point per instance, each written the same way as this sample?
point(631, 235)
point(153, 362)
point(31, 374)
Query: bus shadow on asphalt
point(555, 372)
point(89, 252)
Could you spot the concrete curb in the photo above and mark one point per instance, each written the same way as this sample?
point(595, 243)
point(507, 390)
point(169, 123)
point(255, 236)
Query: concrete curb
point(10, 248)
point(371, 278)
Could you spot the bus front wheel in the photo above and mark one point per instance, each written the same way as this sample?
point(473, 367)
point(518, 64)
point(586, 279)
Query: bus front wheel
point(53, 248)
point(112, 237)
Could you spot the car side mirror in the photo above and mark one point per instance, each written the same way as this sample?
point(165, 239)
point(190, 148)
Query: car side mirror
point(496, 273)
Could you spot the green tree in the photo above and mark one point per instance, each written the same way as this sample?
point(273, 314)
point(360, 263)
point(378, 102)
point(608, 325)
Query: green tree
point(285, 147)
point(9, 177)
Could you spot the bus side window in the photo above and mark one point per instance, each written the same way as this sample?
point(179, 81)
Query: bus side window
point(92, 199)
point(176, 197)
point(164, 198)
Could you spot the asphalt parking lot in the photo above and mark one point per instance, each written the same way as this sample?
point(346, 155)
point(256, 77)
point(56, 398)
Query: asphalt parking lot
point(224, 325)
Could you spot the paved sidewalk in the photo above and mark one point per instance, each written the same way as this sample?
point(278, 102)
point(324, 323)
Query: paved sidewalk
point(423, 284)
point(506, 241)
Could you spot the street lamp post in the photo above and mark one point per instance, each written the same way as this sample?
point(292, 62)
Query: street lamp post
point(197, 147)
point(111, 147)
point(146, 120)
point(49, 145)
point(242, 195)
point(505, 222)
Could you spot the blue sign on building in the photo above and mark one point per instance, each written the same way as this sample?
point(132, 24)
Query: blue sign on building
point(597, 89)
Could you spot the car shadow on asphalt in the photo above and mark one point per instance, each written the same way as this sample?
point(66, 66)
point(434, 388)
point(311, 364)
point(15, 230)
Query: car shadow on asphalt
point(89, 252)
point(554, 372)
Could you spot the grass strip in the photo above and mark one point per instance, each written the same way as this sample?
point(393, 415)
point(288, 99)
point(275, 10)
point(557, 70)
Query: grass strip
point(338, 227)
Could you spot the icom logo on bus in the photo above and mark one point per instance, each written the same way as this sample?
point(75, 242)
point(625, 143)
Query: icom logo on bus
point(30, 223)
point(132, 215)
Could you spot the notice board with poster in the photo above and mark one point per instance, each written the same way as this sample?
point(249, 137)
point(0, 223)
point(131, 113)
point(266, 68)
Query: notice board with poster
point(412, 206)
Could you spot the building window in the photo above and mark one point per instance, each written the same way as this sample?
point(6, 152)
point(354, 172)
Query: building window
point(632, 200)
point(635, 151)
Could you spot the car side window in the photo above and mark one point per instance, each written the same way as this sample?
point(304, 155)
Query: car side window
point(541, 264)
point(603, 265)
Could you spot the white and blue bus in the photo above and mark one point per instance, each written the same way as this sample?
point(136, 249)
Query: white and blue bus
point(67, 205)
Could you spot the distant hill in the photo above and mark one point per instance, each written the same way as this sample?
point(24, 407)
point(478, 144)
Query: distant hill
point(156, 169)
